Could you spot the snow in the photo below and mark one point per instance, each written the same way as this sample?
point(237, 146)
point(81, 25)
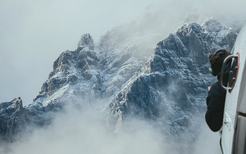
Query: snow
point(58, 94)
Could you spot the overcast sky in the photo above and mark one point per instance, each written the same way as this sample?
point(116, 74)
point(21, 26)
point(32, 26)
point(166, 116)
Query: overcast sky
point(34, 33)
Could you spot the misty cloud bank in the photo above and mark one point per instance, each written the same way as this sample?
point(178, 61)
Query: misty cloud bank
point(86, 130)
point(165, 17)
point(75, 131)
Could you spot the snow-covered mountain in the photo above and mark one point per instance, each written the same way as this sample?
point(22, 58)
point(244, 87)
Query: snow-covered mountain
point(168, 88)
point(88, 71)
point(173, 92)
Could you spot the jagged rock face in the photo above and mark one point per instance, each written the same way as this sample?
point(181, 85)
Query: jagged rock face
point(74, 73)
point(10, 117)
point(88, 71)
point(170, 90)
point(86, 41)
point(176, 87)
point(118, 66)
point(14, 118)
point(85, 72)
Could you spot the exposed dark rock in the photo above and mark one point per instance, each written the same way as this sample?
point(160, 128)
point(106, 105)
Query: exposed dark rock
point(71, 68)
point(176, 87)
point(14, 118)
point(86, 41)
point(170, 92)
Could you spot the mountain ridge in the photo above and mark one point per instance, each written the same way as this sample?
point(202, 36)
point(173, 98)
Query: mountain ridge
point(161, 89)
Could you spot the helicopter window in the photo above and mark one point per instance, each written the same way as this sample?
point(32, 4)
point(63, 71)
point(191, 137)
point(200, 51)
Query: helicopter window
point(229, 72)
point(233, 73)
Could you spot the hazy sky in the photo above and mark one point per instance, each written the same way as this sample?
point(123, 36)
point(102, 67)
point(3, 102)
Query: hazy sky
point(34, 33)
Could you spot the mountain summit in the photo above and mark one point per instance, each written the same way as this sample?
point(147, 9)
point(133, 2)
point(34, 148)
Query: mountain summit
point(86, 41)
point(169, 89)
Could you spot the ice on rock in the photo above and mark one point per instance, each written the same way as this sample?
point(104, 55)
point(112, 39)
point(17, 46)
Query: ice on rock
point(175, 88)
point(167, 89)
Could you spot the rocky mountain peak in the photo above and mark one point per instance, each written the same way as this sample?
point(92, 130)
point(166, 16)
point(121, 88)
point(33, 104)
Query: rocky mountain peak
point(86, 41)
point(14, 105)
point(176, 87)
point(17, 103)
point(70, 69)
point(170, 93)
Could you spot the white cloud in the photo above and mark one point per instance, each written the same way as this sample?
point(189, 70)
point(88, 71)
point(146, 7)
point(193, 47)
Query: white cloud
point(77, 132)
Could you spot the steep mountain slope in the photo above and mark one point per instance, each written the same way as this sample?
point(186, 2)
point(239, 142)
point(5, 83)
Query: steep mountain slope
point(15, 119)
point(88, 71)
point(173, 92)
point(169, 89)
point(75, 73)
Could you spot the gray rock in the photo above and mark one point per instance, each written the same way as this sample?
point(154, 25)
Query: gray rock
point(86, 41)
point(168, 92)
point(176, 87)
point(14, 118)
point(70, 69)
